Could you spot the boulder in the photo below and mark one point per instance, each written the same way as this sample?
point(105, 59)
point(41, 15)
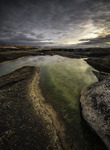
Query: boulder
point(95, 103)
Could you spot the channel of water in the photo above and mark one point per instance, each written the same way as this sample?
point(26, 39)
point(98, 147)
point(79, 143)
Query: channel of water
point(61, 81)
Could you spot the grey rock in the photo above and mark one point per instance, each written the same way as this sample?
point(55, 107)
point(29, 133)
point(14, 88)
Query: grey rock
point(95, 103)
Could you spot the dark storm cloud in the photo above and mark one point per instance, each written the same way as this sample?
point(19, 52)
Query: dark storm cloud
point(97, 40)
point(40, 36)
point(33, 20)
point(21, 37)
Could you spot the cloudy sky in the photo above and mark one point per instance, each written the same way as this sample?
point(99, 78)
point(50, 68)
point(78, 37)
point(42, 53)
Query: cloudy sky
point(73, 23)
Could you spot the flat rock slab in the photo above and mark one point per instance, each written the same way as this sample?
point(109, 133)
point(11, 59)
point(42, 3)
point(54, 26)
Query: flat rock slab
point(95, 102)
point(26, 121)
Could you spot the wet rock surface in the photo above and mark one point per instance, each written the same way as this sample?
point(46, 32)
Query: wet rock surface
point(26, 122)
point(95, 102)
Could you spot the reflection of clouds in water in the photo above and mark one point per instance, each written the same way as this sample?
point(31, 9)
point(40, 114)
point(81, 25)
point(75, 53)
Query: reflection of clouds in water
point(44, 60)
point(76, 64)
point(83, 65)
point(67, 64)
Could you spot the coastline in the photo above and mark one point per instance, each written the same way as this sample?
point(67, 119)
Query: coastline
point(96, 110)
point(95, 101)
point(27, 121)
point(29, 95)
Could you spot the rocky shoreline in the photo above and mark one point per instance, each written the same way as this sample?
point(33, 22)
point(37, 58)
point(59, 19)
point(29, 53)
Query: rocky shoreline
point(23, 123)
point(8, 54)
point(27, 122)
point(95, 101)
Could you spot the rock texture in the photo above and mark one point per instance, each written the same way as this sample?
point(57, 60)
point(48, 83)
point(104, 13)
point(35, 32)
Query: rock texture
point(95, 102)
point(101, 64)
point(101, 75)
point(26, 121)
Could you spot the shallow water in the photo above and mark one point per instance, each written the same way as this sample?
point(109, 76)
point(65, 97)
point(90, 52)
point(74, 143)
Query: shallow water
point(61, 80)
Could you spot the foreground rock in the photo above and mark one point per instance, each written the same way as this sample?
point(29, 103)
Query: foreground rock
point(95, 102)
point(26, 121)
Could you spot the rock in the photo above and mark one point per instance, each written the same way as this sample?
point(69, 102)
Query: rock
point(95, 102)
point(101, 75)
point(101, 64)
point(26, 121)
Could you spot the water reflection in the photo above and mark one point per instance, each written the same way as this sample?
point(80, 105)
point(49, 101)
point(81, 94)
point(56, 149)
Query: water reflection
point(40, 61)
point(61, 82)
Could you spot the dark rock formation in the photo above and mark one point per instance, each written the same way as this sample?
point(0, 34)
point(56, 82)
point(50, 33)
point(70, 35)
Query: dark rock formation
point(26, 121)
point(101, 64)
point(101, 75)
point(95, 102)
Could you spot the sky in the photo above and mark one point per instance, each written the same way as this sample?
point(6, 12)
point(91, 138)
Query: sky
point(58, 23)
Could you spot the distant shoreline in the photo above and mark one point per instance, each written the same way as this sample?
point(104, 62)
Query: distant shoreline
point(9, 54)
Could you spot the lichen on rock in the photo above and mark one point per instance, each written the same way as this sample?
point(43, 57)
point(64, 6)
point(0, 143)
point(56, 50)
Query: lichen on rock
point(95, 102)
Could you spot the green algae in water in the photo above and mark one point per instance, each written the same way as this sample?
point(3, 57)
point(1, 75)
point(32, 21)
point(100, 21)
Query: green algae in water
point(61, 84)
point(61, 81)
